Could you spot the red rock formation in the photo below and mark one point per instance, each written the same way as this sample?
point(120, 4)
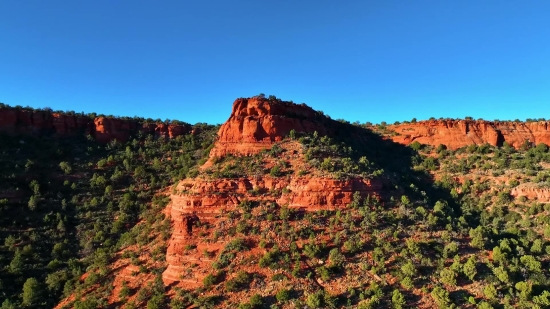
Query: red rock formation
point(207, 199)
point(107, 129)
point(459, 133)
point(256, 123)
point(325, 193)
point(70, 124)
point(103, 129)
point(532, 192)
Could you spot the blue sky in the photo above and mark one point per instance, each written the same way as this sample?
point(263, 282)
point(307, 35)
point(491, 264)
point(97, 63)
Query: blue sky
point(357, 60)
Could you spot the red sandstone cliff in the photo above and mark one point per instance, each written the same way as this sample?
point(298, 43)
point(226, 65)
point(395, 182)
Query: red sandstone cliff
point(104, 129)
point(255, 123)
point(459, 133)
point(209, 199)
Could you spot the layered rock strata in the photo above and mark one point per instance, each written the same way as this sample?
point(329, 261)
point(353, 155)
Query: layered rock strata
point(21, 121)
point(256, 123)
point(208, 200)
point(459, 133)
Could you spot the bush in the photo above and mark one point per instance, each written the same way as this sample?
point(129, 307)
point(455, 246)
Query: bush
point(397, 299)
point(315, 300)
point(241, 281)
point(416, 146)
point(65, 167)
point(269, 259)
point(276, 171)
point(283, 295)
point(209, 281)
point(441, 298)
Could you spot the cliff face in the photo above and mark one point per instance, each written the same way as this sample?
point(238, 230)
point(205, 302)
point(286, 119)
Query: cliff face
point(13, 121)
point(256, 123)
point(459, 133)
point(207, 201)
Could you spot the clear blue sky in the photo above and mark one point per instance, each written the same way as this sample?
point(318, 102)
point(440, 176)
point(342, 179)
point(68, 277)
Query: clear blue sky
point(358, 60)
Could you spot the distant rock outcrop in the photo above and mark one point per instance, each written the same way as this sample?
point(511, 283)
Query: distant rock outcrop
point(459, 133)
point(104, 129)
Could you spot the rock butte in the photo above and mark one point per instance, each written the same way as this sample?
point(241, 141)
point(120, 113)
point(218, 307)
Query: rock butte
point(19, 121)
point(254, 124)
point(459, 133)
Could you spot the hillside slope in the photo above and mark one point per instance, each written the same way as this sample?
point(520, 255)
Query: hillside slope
point(283, 208)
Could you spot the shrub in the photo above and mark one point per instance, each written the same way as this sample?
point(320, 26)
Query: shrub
point(209, 281)
point(276, 171)
point(65, 167)
point(416, 146)
point(283, 295)
point(241, 281)
point(315, 300)
point(397, 299)
point(441, 298)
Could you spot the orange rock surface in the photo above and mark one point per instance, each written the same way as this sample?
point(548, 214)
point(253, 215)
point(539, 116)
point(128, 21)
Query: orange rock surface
point(104, 129)
point(256, 123)
point(532, 192)
point(209, 199)
point(459, 133)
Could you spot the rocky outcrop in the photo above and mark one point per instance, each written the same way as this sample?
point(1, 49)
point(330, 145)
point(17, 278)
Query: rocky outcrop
point(256, 123)
point(532, 192)
point(459, 133)
point(104, 129)
point(325, 193)
point(208, 200)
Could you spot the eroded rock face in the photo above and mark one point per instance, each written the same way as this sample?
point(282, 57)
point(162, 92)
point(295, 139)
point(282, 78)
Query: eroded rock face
point(531, 192)
point(104, 129)
point(324, 193)
point(107, 129)
point(459, 133)
point(256, 123)
point(208, 200)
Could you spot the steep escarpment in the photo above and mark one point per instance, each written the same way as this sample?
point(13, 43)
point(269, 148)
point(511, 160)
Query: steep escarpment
point(459, 133)
point(103, 129)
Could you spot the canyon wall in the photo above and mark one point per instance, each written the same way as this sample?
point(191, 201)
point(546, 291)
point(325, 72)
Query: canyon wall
point(21, 121)
point(459, 133)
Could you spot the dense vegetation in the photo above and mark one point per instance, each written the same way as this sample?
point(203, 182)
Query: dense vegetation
point(67, 205)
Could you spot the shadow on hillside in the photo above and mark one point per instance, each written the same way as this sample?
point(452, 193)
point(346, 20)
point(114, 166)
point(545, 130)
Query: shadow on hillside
point(396, 160)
